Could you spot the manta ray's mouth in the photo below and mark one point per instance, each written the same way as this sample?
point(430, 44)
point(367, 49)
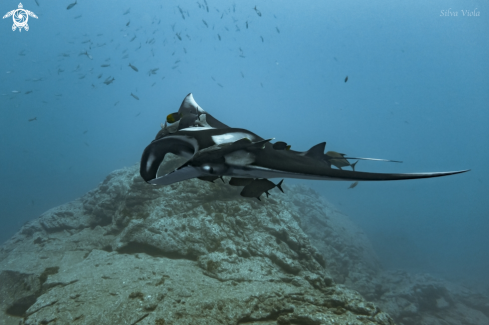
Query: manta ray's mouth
point(170, 163)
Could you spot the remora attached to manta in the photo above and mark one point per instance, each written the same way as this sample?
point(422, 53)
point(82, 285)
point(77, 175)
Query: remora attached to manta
point(209, 149)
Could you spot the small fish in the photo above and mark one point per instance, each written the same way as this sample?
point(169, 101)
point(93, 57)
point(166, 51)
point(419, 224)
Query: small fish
point(152, 71)
point(205, 23)
point(138, 114)
point(278, 30)
point(79, 16)
point(246, 24)
point(259, 186)
point(173, 117)
point(71, 5)
point(220, 85)
point(87, 54)
point(60, 70)
point(134, 96)
point(280, 145)
point(37, 3)
point(117, 102)
point(32, 119)
point(178, 35)
point(108, 81)
point(238, 181)
point(262, 39)
point(132, 39)
point(128, 23)
point(28, 92)
point(100, 76)
point(127, 11)
point(181, 12)
point(242, 75)
point(346, 79)
point(257, 12)
point(219, 36)
point(85, 132)
point(133, 67)
point(353, 185)
point(105, 65)
point(338, 159)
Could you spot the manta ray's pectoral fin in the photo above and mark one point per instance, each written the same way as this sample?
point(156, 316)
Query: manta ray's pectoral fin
point(189, 105)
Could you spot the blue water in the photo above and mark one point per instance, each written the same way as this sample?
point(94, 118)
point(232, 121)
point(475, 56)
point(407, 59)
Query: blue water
point(417, 91)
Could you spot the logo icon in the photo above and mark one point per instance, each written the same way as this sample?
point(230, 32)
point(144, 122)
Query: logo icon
point(20, 17)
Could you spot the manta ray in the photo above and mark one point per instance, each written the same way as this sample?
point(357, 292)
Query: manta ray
point(208, 149)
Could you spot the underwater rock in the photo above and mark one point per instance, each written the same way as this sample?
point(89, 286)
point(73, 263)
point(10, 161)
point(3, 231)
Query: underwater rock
point(424, 299)
point(190, 253)
point(198, 253)
point(411, 299)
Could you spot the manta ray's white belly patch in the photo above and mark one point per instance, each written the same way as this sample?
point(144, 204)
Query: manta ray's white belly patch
point(231, 137)
point(240, 158)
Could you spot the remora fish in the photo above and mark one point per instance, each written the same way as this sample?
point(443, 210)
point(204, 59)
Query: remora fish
point(280, 145)
point(207, 147)
point(338, 159)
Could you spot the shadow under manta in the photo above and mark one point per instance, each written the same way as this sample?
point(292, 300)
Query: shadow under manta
point(209, 149)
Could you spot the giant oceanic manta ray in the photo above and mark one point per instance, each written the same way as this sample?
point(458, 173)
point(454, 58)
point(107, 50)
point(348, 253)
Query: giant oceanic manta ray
point(208, 149)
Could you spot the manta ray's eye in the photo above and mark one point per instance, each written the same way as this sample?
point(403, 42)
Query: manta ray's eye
point(207, 168)
point(213, 168)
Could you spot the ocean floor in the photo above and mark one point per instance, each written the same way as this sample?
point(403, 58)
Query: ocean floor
point(196, 252)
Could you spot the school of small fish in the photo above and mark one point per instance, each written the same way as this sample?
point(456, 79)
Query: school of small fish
point(136, 42)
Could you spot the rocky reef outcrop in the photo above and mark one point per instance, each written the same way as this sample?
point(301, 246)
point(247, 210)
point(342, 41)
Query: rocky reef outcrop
point(410, 299)
point(197, 253)
point(190, 253)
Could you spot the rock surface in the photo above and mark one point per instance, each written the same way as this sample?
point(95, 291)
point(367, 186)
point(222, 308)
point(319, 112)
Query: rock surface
point(197, 253)
point(190, 253)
